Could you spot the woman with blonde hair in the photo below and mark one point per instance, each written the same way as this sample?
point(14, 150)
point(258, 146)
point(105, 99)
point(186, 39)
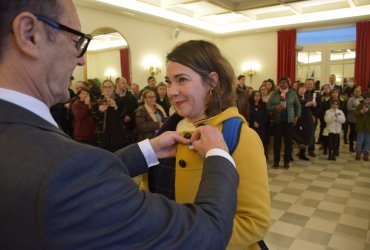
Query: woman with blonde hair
point(201, 86)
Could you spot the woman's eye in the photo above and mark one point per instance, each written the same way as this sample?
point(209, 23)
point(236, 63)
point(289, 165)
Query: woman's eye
point(181, 80)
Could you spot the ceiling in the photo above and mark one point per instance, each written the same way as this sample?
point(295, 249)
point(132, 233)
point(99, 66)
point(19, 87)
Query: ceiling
point(230, 17)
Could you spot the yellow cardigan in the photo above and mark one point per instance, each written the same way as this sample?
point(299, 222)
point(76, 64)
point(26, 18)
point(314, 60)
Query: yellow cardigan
point(252, 217)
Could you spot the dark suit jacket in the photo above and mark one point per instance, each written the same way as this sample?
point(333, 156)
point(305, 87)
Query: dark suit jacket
point(59, 194)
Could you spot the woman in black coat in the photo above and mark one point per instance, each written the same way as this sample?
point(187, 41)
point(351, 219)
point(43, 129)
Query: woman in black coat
point(258, 117)
point(303, 129)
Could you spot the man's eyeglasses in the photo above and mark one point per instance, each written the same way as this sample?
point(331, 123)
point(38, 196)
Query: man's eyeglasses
point(83, 41)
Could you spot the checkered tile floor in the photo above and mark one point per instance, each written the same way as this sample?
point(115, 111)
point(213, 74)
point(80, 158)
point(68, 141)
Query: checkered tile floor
point(320, 204)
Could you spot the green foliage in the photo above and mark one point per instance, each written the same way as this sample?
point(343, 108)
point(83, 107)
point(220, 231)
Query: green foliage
point(96, 81)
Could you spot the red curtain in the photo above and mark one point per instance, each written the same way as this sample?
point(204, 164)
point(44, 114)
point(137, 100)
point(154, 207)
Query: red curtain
point(125, 64)
point(362, 62)
point(286, 54)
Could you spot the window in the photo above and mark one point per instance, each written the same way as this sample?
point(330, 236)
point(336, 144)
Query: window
point(308, 65)
point(324, 52)
point(345, 34)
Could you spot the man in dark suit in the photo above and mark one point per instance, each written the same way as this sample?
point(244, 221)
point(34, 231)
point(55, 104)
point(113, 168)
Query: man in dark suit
point(129, 103)
point(60, 194)
point(314, 103)
point(333, 83)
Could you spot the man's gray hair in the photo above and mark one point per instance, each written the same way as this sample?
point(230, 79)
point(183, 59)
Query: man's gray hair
point(9, 9)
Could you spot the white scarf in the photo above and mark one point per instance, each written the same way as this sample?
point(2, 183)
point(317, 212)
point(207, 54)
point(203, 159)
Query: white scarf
point(283, 93)
point(152, 113)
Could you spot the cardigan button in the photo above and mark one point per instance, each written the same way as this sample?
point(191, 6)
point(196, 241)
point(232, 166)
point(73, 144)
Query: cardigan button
point(182, 163)
point(187, 135)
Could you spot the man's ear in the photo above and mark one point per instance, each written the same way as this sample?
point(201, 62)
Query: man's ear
point(213, 79)
point(27, 35)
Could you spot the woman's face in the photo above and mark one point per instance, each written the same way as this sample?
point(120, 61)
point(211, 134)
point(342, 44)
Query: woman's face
point(334, 105)
point(186, 91)
point(335, 95)
point(257, 96)
point(162, 91)
point(263, 90)
point(283, 84)
point(83, 94)
point(268, 85)
point(357, 92)
point(149, 99)
point(301, 91)
point(326, 89)
point(107, 89)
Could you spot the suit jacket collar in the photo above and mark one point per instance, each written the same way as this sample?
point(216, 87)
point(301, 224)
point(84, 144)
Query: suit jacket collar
point(14, 114)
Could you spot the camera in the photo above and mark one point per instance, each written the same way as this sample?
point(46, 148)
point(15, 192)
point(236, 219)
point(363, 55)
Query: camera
point(103, 101)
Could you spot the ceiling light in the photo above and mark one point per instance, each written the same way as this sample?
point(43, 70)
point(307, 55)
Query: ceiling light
point(209, 23)
point(102, 45)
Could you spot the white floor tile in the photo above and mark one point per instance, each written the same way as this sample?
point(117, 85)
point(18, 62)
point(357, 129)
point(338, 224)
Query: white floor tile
point(354, 221)
point(286, 229)
point(331, 207)
point(321, 225)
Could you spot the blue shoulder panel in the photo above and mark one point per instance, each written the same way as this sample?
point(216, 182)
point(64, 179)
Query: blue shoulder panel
point(231, 132)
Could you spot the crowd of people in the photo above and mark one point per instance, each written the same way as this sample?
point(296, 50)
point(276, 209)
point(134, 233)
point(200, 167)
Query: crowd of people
point(293, 112)
point(209, 140)
point(189, 98)
point(59, 193)
point(118, 114)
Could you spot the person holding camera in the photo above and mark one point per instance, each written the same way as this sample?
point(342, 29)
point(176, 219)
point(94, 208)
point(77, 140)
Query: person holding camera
point(110, 133)
point(83, 124)
point(57, 193)
point(285, 109)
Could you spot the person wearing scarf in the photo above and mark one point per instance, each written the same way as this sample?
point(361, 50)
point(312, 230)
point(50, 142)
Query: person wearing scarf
point(284, 108)
point(149, 117)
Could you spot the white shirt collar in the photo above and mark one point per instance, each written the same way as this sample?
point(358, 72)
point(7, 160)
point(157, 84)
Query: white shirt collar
point(28, 102)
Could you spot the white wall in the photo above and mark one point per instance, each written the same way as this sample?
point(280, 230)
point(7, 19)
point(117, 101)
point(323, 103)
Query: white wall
point(144, 39)
point(260, 48)
point(100, 62)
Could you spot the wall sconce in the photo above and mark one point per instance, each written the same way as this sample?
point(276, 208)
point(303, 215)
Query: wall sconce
point(250, 72)
point(110, 73)
point(153, 70)
point(152, 64)
point(250, 69)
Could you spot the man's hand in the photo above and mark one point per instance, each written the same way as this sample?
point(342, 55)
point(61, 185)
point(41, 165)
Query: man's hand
point(314, 119)
point(280, 108)
point(103, 108)
point(206, 138)
point(112, 103)
point(127, 119)
point(295, 120)
point(165, 145)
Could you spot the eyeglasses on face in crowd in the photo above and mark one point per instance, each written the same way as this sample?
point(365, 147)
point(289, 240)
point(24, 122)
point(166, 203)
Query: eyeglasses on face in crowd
point(150, 97)
point(83, 40)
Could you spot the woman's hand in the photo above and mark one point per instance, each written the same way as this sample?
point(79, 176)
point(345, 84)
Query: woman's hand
point(112, 103)
point(103, 108)
point(87, 100)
